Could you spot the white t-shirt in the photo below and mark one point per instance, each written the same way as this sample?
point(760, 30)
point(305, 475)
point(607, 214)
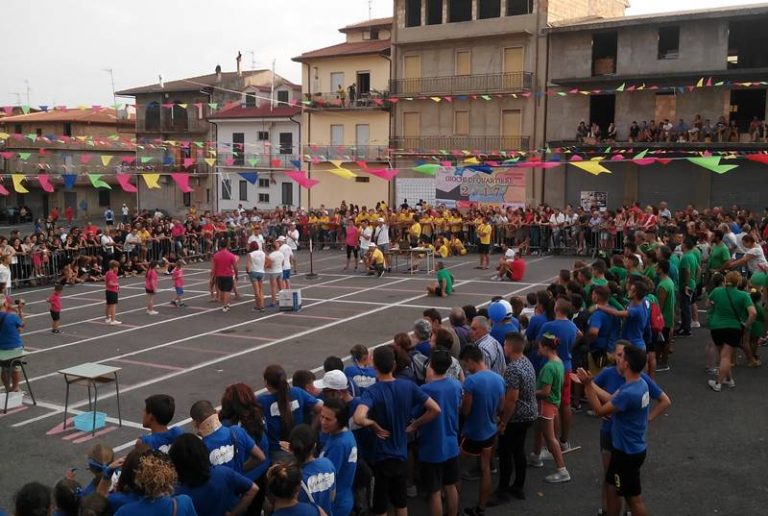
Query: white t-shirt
point(259, 239)
point(108, 244)
point(276, 258)
point(256, 260)
point(365, 238)
point(381, 235)
point(131, 241)
point(754, 264)
point(288, 254)
point(292, 239)
point(5, 276)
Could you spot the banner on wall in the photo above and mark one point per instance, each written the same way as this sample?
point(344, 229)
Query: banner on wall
point(596, 199)
point(463, 188)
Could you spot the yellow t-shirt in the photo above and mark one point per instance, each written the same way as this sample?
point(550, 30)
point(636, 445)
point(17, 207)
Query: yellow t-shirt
point(456, 223)
point(415, 230)
point(484, 232)
point(377, 257)
point(443, 251)
point(324, 220)
point(143, 235)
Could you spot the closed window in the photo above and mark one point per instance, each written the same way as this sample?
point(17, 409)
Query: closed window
point(459, 10)
point(226, 189)
point(238, 148)
point(243, 190)
point(286, 143)
point(250, 100)
point(434, 12)
point(287, 194)
point(412, 13)
point(264, 197)
point(186, 198)
point(463, 62)
point(282, 96)
point(488, 9)
point(263, 136)
point(263, 182)
point(104, 197)
point(362, 179)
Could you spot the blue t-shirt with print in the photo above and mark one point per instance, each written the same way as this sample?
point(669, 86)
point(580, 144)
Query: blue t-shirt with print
point(499, 330)
point(531, 334)
point(341, 450)
point(257, 472)
point(220, 494)
point(229, 446)
point(299, 399)
point(159, 507)
point(634, 325)
point(10, 338)
point(162, 441)
point(607, 330)
point(610, 379)
point(439, 439)
point(364, 437)
point(391, 404)
point(566, 332)
point(362, 377)
point(319, 478)
point(487, 389)
point(630, 420)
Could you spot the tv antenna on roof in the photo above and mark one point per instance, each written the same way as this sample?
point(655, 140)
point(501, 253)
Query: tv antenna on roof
point(370, 9)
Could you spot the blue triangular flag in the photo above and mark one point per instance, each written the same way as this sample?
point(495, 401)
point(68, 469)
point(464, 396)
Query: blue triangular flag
point(69, 180)
point(251, 177)
point(481, 168)
point(168, 160)
point(296, 163)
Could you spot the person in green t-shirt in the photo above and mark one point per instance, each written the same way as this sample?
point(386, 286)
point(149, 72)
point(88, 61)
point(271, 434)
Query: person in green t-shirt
point(618, 269)
point(758, 328)
point(719, 255)
point(444, 284)
point(688, 269)
point(548, 389)
point(732, 312)
point(665, 293)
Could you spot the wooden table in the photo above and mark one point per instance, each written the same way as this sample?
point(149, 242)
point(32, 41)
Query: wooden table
point(410, 254)
point(11, 358)
point(91, 375)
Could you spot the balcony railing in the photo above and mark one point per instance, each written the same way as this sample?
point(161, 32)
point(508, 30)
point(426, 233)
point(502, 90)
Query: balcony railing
point(441, 144)
point(508, 82)
point(191, 124)
point(370, 100)
point(346, 152)
point(104, 144)
point(257, 161)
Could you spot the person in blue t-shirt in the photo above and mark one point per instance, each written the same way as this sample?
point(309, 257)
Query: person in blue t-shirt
point(608, 381)
point(386, 407)
point(11, 325)
point(318, 475)
point(603, 330)
point(567, 333)
point(483, 398)
point(422, 330)
point(543, 311)
point(156, 477)
point(158, 412)
point(214, 490)
point(503, 325)
point(438, 440)
point(637, 315)
point(283, 407)
point(360, 372)
point(284, 483)
point(629, 411)
point(228, 446)
point(340, 447)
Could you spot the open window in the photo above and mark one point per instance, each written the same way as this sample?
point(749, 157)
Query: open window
point(412, 13)
point(488, 9)
point(669, 42)
point(152, 117)
point(604, 47)
point(434, 12)
point(459, 10)
point(747, 41)
point(519, 7)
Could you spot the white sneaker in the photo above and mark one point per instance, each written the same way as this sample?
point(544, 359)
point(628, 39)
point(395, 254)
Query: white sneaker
point(565, 447)
point(695, 324)
point(115, 322)
point(535, 461)
point(559, 476)
point(714, 385)
point(152, 312)
point(225, 309)
point(495, 277)
point(545, 455)
point(107, 321)
point(730, 383)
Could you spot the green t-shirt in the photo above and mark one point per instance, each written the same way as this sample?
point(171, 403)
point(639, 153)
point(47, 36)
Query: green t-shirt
point(759, 279)
point(758, 327)
point(688, 263)
point(615, 303)
point(719, 255)
point(725, 313)
point(650, 272)
point(668, 310)
point(444, 276)
point(553, 373)
point(619, 272)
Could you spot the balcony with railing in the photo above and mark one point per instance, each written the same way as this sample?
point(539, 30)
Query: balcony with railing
point(507, 82)
point(334, 100)
point(441, 144)
point(168, 124)
point(257, 161)
point(97, 144)
point(346, 152)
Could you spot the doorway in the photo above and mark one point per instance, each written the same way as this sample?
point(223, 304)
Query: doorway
point(746, 104)
point(363, 83)
point(602, 110)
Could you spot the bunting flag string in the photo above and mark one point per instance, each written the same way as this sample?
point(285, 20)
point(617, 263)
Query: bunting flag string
point(125, 183)
point(182, 180)
point(18, 180)
point(151, 180)
point(97, 182)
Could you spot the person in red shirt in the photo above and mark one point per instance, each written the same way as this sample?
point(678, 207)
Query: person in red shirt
point(90, 230)
point(69, 214)
point(511, 267)
point(112, 284)
point(54, 215)
point(54, 301)
point(150, 287)
point(224, 270)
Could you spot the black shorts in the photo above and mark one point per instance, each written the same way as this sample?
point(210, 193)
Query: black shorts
point(111, 298)
point(55, 315)
point(225, 283)
point(728, 336)
point(484, 248)
point(439, 291)
point(436, 475)
point(389, 485)
point(350, 250)
point(624, 473)
point(470, 447)
point(149, 291)
point(606, 442)
point(109, 222)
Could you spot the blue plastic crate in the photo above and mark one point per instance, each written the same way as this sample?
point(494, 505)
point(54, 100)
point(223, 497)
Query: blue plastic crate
point(84, 422)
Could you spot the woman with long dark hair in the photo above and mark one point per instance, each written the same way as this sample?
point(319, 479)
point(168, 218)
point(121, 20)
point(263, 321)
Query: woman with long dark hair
point(239, 407)
point(214, 490)
point(283, 407)
point(340, 447)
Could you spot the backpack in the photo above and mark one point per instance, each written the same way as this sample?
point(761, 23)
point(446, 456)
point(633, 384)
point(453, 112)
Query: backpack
point(657, 318)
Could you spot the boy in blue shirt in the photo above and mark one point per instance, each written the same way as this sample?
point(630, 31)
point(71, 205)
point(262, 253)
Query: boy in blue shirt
point(637, 315)
point(484, 392)
point(439, 439)
point(158, 412)
point(385, 408)
point(360, 373)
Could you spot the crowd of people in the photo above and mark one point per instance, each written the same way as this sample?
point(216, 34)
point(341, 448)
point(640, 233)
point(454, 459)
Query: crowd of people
point(445, 398)
point(697, 131)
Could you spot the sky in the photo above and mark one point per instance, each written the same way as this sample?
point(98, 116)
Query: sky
point(61, 48)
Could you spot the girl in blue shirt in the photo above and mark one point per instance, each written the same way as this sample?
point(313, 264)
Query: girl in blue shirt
point(156, 478)
point(284, 482)
point(318, 484)
point(341, 449)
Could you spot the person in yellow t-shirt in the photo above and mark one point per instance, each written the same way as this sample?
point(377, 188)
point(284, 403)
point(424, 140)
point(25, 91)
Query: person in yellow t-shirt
point(375, 261)
point(456, 246)
point(427, 231)
point(442, 248)
point(414, 232)
point(324, 220)
point(484, 231)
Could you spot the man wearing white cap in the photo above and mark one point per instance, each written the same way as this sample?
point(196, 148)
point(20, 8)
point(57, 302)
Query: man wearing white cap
point(375, 260)
point(292, 239)
point(287, 259)
point(334, 384)
point(381, 235)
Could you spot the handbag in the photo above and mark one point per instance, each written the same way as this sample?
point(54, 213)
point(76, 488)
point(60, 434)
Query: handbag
point(733, 309)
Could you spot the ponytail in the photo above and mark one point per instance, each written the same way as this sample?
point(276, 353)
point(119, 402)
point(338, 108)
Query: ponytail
point(275, 377)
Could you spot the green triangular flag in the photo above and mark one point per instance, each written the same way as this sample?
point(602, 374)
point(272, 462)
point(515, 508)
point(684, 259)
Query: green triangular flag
point(607, 151)
point(146, 159)
point(114, 137)
point(712, 163)
point(25, 109)
point(620, 88)
point(427, 168)
point(253, 161)
point(31, 137)
point(485, 97)
point(97, 182)
point(24, 156)
point(641, 155)
point(213, 105)
point(199, 145)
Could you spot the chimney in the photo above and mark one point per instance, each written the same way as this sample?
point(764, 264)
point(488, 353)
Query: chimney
point(238, 59)
point(218, 73)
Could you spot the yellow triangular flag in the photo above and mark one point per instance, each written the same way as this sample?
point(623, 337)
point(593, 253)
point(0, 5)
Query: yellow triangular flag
point(182, 106)
point(17, 180)
point(210, 161)
point(151, 180)
point(593, 167)
point(700, 84)
point(335, 162)
point(4, 136)
point(471, 161)
point(105, 160)
point(343, 173)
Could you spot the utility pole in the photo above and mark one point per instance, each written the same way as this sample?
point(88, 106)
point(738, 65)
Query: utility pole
point(27, 83)
point(370, 9)
point(272, 91)
point(114, 98)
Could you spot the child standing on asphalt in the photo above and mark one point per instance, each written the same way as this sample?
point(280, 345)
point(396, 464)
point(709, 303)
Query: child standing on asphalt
point(178, 283)
point(55, 305)
point(112, 284)
point(150, 287)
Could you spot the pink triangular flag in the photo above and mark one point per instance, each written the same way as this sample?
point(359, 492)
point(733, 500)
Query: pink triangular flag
point(276, 163)
point(182, 179)
point(188, 162)
point(45, 182)
point(85, 159)
point(125, 183)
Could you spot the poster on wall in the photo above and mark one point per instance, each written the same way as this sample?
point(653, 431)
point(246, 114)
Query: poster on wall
point(597, 199)
point(463, 188)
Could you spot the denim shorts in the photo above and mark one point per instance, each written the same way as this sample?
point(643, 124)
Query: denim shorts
point(256, 276)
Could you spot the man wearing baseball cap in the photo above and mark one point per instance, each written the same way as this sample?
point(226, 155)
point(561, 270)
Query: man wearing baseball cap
point(334, 384)
point(381, 235)
point(375, 260)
